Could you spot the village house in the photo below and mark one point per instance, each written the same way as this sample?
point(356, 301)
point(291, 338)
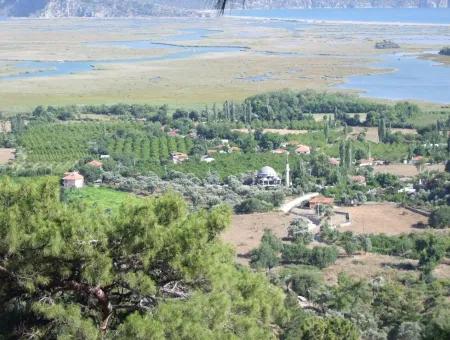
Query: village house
point(365, 162)
point(95, 164)
point(73, 180)
point(234, 149)
point(207, 159)
point(334, 161)
point(172, 133)
point(279, 151)
point(320, 200)
point(361, 180)
point(416, 160)
point(179, 157)
point(303, 150)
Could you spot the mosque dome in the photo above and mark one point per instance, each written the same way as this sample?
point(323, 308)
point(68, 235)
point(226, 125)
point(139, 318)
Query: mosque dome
point(267, 171)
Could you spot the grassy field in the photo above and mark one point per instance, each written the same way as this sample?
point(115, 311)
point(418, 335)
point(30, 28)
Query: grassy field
point(100, 197)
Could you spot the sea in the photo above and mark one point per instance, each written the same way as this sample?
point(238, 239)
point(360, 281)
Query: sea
point(437, 16)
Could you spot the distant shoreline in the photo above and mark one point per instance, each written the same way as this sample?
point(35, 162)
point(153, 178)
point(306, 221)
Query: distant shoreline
point(347, 22)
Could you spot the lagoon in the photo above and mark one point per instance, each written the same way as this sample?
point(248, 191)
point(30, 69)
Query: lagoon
point(408, 77)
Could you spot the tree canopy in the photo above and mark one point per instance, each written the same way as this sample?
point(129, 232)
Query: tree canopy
point(152, 270)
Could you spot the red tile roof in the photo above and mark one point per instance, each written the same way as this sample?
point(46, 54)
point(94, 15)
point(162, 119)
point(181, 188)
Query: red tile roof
point(321, 200)
point(303, 149)
point(72, 176)
point(96, 164)
point(359, 179)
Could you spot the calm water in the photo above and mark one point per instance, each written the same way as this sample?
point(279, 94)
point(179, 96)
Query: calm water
point(412, 78)
point(38, 69)
point(404, 15)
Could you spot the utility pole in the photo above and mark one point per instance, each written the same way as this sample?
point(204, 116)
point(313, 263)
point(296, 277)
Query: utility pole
point(287, 174)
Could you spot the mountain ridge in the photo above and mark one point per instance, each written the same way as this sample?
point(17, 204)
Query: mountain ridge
point(130, 8)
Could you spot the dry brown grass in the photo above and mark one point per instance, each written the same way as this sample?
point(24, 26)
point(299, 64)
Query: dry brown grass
point(372, 132)
point(406, 170)
point(367, 266)
point(382, 218)
point(246, 230)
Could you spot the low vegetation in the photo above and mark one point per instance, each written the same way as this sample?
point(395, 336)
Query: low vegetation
point(137, 250)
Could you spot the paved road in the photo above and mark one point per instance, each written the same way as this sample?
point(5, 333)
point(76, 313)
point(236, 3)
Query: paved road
point(287, 207)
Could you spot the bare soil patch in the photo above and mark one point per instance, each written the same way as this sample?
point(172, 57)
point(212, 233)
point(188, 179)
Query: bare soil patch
point(246, 230)
point(7, 155)
point(372, 132)
point(382, 218)
point(367, 266)
point(406, 170)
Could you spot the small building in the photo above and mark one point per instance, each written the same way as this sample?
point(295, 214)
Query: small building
point(320, 200)
point(234, 149)
point(105, 156)
point(334, 161)
point(416, 160)
point(365, 162)
point(95, 164)
point(267, 177)
point(303, 150)
point(279, 151)
point(179, 157)
point(361, 180)
point(211, 152)
point(408, 190)
point(173, 133)
point(73, 180)
point(207, 159)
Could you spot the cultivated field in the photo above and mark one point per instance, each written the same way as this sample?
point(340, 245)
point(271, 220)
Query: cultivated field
point(406, 170)
point(381, 218)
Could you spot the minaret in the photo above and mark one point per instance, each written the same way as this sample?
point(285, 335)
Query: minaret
point(287, 172)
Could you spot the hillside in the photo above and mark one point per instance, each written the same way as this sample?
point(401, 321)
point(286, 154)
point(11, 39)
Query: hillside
point(115, 8)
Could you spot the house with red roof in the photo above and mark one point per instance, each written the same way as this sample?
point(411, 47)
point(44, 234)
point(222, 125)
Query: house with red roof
point(303, 150)
point(73, 180)
point(361, 180)
point(95, 164)
point(320, 200)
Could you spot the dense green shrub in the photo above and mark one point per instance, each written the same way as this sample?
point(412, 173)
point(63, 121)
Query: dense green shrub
point(252, 205)
point(440, 218)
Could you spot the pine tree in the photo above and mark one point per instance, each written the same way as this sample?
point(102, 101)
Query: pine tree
point(152, 268)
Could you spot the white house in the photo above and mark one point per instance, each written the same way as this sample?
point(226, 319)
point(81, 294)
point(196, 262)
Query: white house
point(73, 180)
point(207, 159)
point(179, 157)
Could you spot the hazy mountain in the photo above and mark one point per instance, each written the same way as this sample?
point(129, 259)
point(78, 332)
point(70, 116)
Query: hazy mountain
point(111, 8)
